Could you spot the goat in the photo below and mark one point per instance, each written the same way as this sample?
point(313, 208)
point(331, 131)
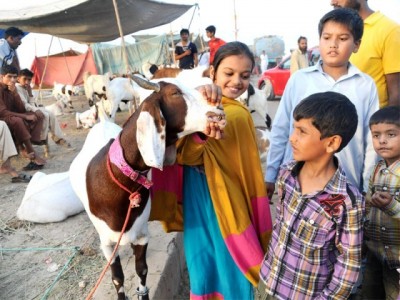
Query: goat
point(96, 86)
point(113, 164)
point(166, 73)
point(57, 108)
point(121, 89)
point(64, 93)
point(256, 102)
point(49, 198)
point(87, 119)
point(199, 71)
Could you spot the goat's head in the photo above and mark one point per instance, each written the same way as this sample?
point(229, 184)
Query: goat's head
point(172, 112)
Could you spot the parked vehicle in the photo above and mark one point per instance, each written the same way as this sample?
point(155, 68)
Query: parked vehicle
point(275, 79)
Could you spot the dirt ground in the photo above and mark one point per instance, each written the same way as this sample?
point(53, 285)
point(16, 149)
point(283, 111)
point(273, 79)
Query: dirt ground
point(54, 260)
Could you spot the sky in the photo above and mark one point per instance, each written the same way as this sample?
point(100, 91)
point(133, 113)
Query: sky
point(254, 18)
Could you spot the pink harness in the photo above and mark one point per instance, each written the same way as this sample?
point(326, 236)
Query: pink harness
point(116, 156)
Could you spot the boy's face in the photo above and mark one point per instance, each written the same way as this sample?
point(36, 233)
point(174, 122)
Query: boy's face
point(9, 80)
point(184, 37)
point(210, 34)
point(386, 141)
point(24, 80)
point(306, 141)
point(336, 45)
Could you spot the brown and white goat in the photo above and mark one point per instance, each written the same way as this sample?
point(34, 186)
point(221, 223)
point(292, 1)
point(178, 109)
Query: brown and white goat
point(95, 86)
point(64, 92)
point(114, 161)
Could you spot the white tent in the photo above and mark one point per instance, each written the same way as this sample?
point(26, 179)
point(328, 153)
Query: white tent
point(88, 21)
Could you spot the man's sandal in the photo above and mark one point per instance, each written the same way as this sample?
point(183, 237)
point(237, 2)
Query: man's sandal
point(21, 178)
point(32, 166)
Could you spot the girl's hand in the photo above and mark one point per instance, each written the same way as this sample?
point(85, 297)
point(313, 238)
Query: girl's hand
point(212, 93)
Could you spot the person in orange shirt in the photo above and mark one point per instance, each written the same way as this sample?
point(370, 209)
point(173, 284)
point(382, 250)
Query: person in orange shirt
point(214, 43)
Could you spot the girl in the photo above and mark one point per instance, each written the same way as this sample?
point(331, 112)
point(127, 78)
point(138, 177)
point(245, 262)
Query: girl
point(226, 216)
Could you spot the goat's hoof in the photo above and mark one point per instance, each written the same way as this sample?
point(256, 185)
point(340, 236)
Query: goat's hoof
point(142, 295)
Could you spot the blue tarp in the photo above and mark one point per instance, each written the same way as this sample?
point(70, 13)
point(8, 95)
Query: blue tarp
point(109, 58)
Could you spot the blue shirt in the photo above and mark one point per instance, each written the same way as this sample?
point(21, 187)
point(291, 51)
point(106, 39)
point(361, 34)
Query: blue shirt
point(358, 157)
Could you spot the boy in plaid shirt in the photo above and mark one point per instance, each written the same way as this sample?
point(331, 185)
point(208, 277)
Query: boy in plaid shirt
point(315, 250)
point(382, 230)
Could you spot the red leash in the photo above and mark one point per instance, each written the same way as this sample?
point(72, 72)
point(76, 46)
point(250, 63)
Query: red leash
point(134, 199)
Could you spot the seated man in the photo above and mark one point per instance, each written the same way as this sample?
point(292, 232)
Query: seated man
point(50, 122)
point(24, 126)
point(7, 150)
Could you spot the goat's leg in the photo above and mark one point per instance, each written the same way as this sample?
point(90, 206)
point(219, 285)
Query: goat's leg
point(117, 274)
point(118, 278)
point(141, 270)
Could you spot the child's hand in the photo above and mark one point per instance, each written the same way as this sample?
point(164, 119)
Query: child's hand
point(381, 199)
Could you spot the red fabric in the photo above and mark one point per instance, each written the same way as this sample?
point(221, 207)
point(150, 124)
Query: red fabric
point(333, 204)
point(59, 69)
point(214, 44)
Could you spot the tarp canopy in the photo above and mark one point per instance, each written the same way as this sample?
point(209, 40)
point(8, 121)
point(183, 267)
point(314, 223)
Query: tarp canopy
point(63, 68)
point(109, 58)
point(88, 21)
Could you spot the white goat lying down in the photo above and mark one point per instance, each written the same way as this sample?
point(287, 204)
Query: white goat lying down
point(88, 118)
point(49, 198)
point(112, 167)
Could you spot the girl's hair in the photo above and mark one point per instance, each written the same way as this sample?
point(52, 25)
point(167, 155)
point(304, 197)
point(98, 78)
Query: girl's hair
point(232, 48)
point(345, 16)
point(386, 115)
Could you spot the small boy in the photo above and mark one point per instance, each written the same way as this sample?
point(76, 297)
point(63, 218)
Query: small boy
point(382, 230)
point(315, 250)
point(340, 32)
point(50, 121)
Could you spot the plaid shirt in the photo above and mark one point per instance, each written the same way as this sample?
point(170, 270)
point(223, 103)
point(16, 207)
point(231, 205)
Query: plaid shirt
point(315, 250)
point(382, 232)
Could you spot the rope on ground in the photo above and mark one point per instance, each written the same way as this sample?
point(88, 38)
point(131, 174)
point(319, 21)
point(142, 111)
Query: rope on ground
point(50, 288)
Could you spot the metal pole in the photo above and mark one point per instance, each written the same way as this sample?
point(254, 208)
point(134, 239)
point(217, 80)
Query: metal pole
point(235, 19)
point(122, 37)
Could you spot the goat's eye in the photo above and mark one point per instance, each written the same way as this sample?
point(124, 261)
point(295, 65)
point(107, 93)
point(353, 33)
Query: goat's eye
point(177, 93)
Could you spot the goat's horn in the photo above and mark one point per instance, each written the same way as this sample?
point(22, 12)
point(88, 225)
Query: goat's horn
point(145, 83)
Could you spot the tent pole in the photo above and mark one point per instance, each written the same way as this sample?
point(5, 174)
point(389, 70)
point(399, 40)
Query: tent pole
point(66, 63)
point(44, 72)
point(123, 44)
point(122, 37)
point(173, 46)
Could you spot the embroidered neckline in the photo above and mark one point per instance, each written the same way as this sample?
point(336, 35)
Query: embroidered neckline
point(116, 156)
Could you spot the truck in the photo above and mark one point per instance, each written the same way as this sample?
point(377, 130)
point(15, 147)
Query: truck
point(273, 45)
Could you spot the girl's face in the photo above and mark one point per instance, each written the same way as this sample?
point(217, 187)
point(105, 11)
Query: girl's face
point(233, 75)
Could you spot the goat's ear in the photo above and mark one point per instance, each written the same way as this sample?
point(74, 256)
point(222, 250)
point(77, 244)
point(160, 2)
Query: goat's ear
point(150, 134)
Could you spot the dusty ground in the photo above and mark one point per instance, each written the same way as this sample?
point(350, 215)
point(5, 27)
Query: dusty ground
point(55, 260)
